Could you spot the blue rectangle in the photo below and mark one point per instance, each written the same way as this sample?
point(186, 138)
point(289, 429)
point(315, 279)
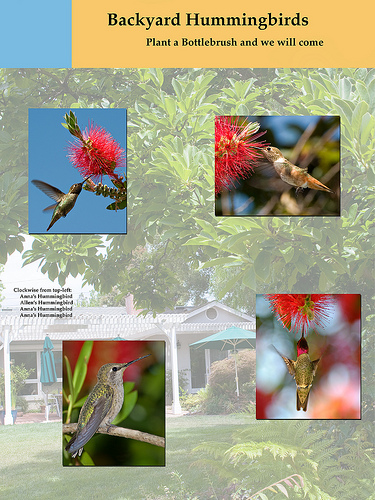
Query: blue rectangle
point(36, 34)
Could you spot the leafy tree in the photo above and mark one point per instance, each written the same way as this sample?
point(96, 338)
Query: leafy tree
point(171, 192)
point(171, 204)
point(171, 189)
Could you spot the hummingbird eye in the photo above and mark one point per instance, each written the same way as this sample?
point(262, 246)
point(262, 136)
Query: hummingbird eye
point(114, 369)
point(268, 149)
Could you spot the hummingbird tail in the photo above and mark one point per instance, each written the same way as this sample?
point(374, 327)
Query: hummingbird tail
point(54, 219)
point(303, 405)
point(73, 449)
point(313, 183)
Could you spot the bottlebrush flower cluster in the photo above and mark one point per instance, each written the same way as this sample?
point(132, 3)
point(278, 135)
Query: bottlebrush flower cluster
point(94, 153)
point(235, 150)
point(299, 311)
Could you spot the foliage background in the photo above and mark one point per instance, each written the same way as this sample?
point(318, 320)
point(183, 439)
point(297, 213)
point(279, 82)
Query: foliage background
point(172, 224)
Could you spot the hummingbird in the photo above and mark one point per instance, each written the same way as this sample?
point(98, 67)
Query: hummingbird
point(303, 370)
point(101, 406)
point(291, 174)
point(65, 202)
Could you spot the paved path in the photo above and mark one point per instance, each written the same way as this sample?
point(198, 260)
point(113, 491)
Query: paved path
point(33, 418)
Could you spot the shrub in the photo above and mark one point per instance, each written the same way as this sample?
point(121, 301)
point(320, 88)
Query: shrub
point(220, 394)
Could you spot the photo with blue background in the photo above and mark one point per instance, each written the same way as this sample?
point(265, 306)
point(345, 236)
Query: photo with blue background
point(49, 162)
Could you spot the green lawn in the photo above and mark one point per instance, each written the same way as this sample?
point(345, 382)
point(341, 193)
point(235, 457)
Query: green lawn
point(30, 463)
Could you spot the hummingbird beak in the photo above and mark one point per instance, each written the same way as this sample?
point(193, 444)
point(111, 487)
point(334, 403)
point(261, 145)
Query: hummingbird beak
point(134, 360)
point(87, 178)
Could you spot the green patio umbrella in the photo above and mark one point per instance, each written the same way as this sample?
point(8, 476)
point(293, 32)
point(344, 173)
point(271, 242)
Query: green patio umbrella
point(48, 370)
point(228, 339)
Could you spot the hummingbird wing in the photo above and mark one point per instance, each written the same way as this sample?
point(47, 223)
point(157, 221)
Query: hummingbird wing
point(289, 362)
point(49, 190)
point(301, 169)
point(99, 409)
point(51, 207)
point(315, 365)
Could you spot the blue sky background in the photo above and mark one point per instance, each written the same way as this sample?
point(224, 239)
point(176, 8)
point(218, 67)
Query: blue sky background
point(48, 162)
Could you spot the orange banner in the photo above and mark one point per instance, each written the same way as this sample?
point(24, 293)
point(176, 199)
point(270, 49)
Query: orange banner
point(217, 34)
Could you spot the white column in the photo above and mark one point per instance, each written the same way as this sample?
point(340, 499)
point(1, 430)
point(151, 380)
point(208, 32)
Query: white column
point(207, 360)
point(176, 407)
point(8, 419)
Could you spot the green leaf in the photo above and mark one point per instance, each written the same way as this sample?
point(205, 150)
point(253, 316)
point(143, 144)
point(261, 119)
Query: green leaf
point(249, 278)
point(117, 206)
point(358, 114)
point(262, 265)
point(53, 271)
point(263, 496)
point(222, 261)
point(69, 375)
point(282, 489)
point(288, 253)
point(129, 402)
point(86, 459)
point(230, 284)
point(80, 369)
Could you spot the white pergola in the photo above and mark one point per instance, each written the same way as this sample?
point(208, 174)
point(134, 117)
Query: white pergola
point(106, 324)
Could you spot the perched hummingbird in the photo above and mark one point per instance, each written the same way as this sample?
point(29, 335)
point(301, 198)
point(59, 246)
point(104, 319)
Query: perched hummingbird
point(101, 406)
point(303, 370)
point(291, 174)
point(65, 202)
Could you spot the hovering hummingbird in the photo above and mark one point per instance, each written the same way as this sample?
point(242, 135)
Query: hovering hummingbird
point(101, 406)
point(291, 174)
point(65, 202)
point(303, 370)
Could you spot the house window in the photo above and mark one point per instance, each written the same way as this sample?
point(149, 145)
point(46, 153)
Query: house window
point(216, 355)
point(199, 359)
point(28, 359)
point(211, 313)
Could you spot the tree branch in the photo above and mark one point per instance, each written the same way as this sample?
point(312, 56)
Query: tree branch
point(113, 430)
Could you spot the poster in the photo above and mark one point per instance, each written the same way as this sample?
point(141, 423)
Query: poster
point(186, 251)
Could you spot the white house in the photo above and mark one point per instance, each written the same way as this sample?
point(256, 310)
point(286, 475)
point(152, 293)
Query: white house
point(21, 340)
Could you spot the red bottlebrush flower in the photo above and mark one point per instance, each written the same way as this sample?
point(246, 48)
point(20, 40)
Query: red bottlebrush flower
point(297, 311)
point(235, 150)
point(96, 153)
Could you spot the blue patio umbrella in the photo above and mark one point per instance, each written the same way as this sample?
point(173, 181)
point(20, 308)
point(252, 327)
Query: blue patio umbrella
point(48, 370)
point(228, 339)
